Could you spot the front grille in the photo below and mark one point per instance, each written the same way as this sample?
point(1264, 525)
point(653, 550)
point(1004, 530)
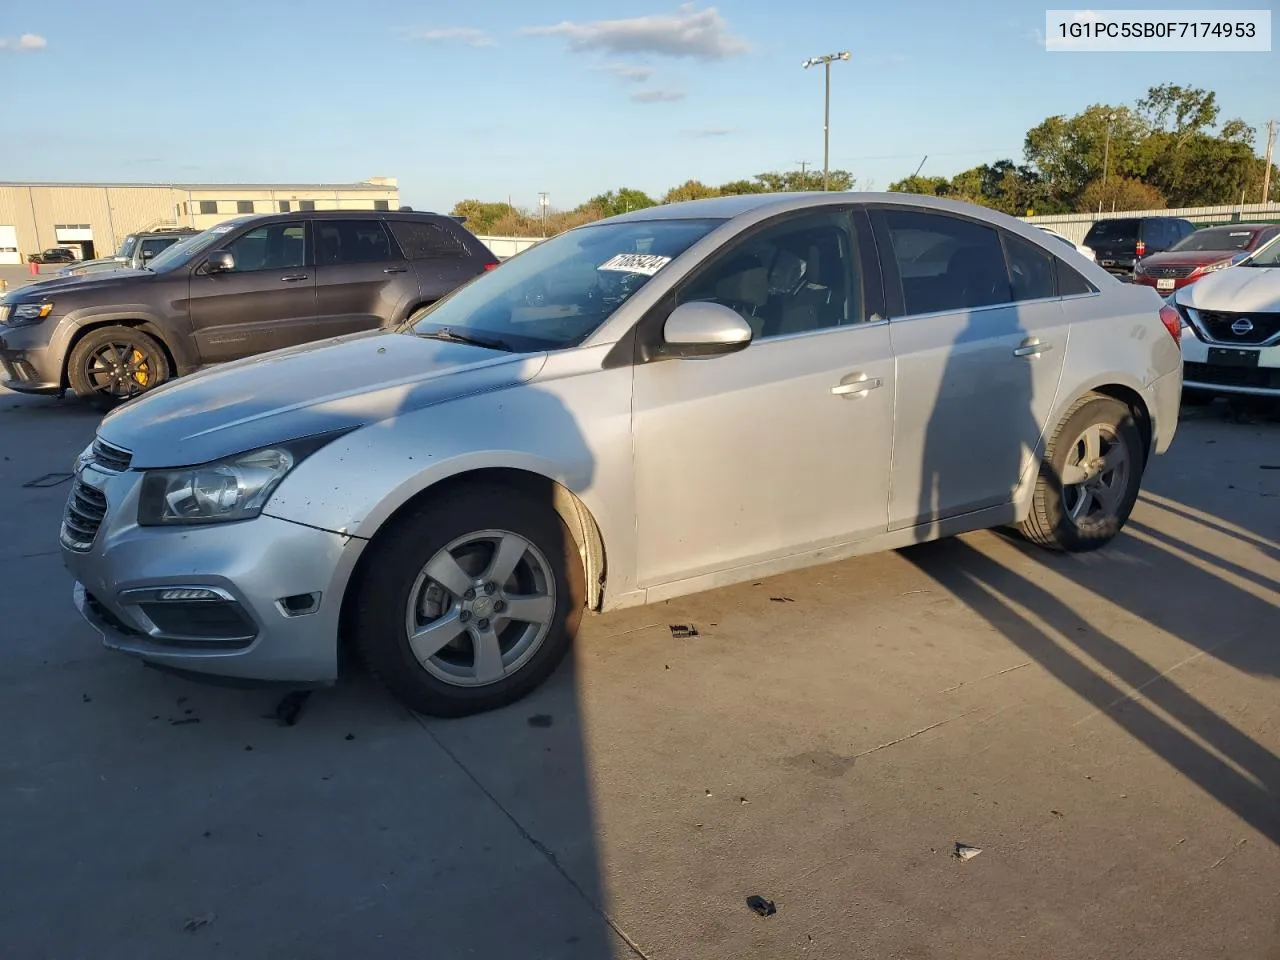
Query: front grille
point(1168, 273)
point(1257, 378)
point(109, 457)
point(86, 509)
point(1218, 326)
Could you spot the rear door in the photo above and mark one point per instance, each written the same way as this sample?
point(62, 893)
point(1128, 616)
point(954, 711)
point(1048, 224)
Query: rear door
point(263, 302)
point(443, 255)
point(979, 337)
point(362, 280)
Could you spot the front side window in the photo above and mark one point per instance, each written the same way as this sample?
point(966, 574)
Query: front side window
point(352, 241)
point(947, 263)
point(1267, 256)
point(794, 277)
point(557, 293)
point(153, 245)
point(275, 246)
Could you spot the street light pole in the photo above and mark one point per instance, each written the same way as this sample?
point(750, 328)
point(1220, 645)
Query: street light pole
point(1106, 159)
point(826, 60)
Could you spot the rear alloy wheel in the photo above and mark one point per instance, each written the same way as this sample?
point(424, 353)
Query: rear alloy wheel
point(470, 603)
point(113, 364)
point(1089, 478)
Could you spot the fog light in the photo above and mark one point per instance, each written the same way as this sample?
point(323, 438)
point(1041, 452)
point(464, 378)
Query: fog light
point(187, 593)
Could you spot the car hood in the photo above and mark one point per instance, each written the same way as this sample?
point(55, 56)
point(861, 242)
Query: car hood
point(1235, 290)
point(86, 284)
point(302, 391)
point(1190, 258)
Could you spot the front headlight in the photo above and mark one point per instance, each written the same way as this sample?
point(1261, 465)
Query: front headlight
point(20, 313)
point(1220, 265)
point(236, 488)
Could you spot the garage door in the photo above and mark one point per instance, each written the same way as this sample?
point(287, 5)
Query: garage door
point(9, 245)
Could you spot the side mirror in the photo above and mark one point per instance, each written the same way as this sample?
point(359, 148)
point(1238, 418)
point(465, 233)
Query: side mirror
point(220, 261)
point(704, 330)
point(147, 255)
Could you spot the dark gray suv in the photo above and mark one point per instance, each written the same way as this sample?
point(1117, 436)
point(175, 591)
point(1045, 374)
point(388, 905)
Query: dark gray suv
point(244, 287)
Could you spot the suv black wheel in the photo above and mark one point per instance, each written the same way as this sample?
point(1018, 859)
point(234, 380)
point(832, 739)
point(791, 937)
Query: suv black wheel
point(1089, 477)
point(113, 364)
point(469, 602)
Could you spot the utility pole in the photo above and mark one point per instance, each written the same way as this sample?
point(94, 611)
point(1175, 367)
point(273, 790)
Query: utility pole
point(826, 60)
point(542, 202)
point(1266, 172)
point(1106, 159)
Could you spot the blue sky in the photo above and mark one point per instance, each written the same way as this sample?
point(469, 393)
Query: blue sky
point(491, 98)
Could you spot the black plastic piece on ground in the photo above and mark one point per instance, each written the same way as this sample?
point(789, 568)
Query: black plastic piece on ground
point(761, 906)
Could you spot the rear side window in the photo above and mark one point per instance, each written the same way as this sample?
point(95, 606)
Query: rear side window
point(423, 240)
point(352, 241)
point(1112, 231)
point(1030, 269)
point(946, 263)
point(1070, 282)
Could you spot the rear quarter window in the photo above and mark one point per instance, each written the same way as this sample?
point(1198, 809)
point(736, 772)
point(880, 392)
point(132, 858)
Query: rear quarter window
point(424, 240)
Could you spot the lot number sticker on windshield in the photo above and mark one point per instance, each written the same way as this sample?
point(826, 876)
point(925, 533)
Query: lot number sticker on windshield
point(645, 263)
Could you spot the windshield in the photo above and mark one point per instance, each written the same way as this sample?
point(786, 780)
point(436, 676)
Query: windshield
point(1215, 240)
point(126, 248)
point(1268, 256)
point(187, 248)
point(1114, 230)
point(559, 292)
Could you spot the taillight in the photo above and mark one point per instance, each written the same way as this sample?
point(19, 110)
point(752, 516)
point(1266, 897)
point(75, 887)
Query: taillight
point(490, 266)
point(1141, 249)
point(1172, 321)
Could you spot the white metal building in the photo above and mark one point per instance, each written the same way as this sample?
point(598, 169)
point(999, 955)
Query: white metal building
point(93, 218)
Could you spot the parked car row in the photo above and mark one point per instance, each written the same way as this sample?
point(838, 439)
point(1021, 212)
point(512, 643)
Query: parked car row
point(136, 251)
point(678, 398)
point(247, 286)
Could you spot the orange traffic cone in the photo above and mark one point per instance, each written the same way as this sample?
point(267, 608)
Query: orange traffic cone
point(33, 268)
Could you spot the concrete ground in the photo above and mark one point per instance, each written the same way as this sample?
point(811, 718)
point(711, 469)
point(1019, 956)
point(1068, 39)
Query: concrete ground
point(1104, 728)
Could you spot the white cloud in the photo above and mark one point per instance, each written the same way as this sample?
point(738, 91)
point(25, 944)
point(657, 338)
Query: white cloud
point(712, 132)
point(697, 34)
point(25, 43)
point(629, 72)
point(468, 35)
point(657, 96)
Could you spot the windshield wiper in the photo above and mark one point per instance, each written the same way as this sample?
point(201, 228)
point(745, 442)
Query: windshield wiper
point(444, 333)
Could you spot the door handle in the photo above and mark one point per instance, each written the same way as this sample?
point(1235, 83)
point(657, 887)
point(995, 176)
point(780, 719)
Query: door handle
point(855, 386)
point(1032, 348)
point(294, 276)
point(396, 270)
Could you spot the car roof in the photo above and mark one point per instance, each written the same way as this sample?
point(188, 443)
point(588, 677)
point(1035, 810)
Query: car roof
point(727, 208)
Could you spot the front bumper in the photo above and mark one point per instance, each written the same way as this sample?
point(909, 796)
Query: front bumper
point(269, 593)
point(28, 364)
point(1199, 374)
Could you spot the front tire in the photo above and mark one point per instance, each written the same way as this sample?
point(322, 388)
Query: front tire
point(110, 365)
point(1089, 478)
point(469, 602)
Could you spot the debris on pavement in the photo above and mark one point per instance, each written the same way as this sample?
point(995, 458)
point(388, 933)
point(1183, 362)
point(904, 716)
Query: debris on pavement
point(49, 480)
point(743, 800)
point(761, 906)
point(85, 698)
point(1058, 813)
point(541, 720)
point(965, 852)
point(683, 631)
point(290, 706)
point(349, 736)
point(781, 600)
point(174, 722)
point(195, 923)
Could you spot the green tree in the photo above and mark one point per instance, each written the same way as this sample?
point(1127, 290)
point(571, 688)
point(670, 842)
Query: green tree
point(689, 190)
point(1119, 193)
point(482, 216)
point(928, 186)
point(739, 187)
point(622, 200)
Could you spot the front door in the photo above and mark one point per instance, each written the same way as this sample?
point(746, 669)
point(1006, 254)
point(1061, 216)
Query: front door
point(979, 340)
point(265, 302)
point(362, 280)
point(781, 447)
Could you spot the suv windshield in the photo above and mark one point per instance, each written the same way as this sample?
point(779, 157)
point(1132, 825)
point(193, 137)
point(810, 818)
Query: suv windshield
point(126, 248)
point(1115, 231)
point(1268, 256)
point(189, 247)
point(1225, 239)
point(556, 294)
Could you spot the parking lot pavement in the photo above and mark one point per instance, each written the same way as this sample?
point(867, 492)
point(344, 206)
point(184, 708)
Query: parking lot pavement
point(1104, 728)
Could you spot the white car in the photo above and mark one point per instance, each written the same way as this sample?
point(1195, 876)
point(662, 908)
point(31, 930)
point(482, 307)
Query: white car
point(1231, 328)
point(1080, 248)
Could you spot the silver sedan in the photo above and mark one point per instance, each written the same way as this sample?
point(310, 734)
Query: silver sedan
point(668, 401)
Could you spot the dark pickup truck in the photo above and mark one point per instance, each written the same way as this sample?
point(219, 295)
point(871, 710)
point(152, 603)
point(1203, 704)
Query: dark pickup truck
point(247, 286)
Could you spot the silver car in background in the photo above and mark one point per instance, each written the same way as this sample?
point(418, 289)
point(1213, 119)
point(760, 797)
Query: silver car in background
point(672, 400)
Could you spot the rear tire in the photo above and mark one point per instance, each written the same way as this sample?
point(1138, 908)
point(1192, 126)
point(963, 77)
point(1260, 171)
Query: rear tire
point(1089, 478)
point(445, 575)
point(113, 364)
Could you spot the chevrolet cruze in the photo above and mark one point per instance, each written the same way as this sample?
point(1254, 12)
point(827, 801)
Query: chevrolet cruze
point(676, 399)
